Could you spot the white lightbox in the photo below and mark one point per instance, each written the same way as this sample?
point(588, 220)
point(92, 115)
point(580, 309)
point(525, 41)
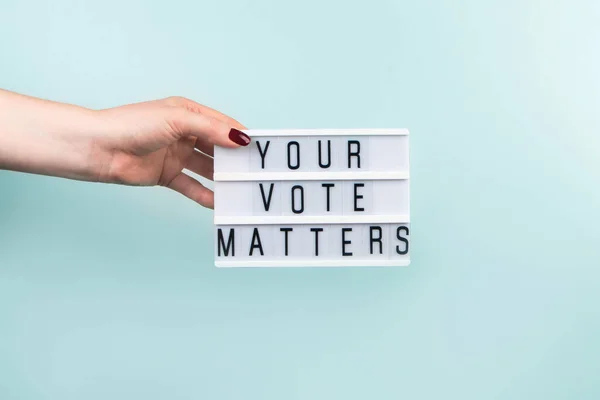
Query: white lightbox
point(314, 198)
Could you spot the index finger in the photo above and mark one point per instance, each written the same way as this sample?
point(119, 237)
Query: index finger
point(202, 109)
point(188, 123)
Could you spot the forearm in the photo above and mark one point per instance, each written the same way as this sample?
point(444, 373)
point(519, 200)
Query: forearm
point(43, 137)
point(142, 144)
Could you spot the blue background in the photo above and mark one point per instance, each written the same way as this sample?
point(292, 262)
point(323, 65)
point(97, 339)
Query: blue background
point(110, 292)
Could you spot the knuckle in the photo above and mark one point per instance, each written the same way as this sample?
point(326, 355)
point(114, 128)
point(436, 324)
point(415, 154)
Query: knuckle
point(217, 126)
point(176, 101)
point(176, 119)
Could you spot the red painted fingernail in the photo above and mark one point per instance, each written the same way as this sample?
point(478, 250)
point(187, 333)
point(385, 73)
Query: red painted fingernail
point(239, 137)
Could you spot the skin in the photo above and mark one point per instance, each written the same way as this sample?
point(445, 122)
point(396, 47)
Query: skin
point(143, 144)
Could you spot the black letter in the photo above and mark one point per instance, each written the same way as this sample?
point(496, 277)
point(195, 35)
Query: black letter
point(230, 242)
point(286, 230)
point(376, 239)
point(328, 155)
point(345, 242)
point(266, 202)
point(316, 231)
point(301, 210)
point(328, 186)
point(297, 155)
point(258, 245)
point(357, 196)
point(402, 239)
point(263, 154)
point(353, 153)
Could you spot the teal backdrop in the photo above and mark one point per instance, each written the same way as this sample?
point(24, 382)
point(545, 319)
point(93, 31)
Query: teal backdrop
point(110, 292)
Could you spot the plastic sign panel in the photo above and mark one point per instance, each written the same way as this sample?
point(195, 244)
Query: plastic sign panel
point(314, 198)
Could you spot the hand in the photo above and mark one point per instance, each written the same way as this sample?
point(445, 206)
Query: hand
point(151, 143)
point(140, 144)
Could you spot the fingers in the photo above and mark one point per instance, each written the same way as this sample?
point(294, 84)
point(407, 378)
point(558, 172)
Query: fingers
point(192, 189)
point(188, 123)
point(201, 164)
point(209, 126)
point(215, 114)
point(202, 109)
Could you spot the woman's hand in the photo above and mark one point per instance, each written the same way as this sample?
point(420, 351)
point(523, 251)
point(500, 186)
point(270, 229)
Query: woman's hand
point(140, 144)
point(151, 143)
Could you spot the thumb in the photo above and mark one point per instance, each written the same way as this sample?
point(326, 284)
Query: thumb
point(209, 129)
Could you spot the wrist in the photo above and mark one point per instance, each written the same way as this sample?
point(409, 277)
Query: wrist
point(48, 138)
point(98, 152)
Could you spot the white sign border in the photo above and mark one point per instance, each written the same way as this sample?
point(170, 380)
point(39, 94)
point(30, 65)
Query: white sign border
point(344, 175)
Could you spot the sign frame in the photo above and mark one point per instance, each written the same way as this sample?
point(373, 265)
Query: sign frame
point(224, 158)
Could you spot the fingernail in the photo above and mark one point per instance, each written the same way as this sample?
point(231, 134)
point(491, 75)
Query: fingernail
point(239, 137)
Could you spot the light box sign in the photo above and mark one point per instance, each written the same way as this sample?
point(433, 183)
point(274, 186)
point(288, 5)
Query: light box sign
point(313, 198)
